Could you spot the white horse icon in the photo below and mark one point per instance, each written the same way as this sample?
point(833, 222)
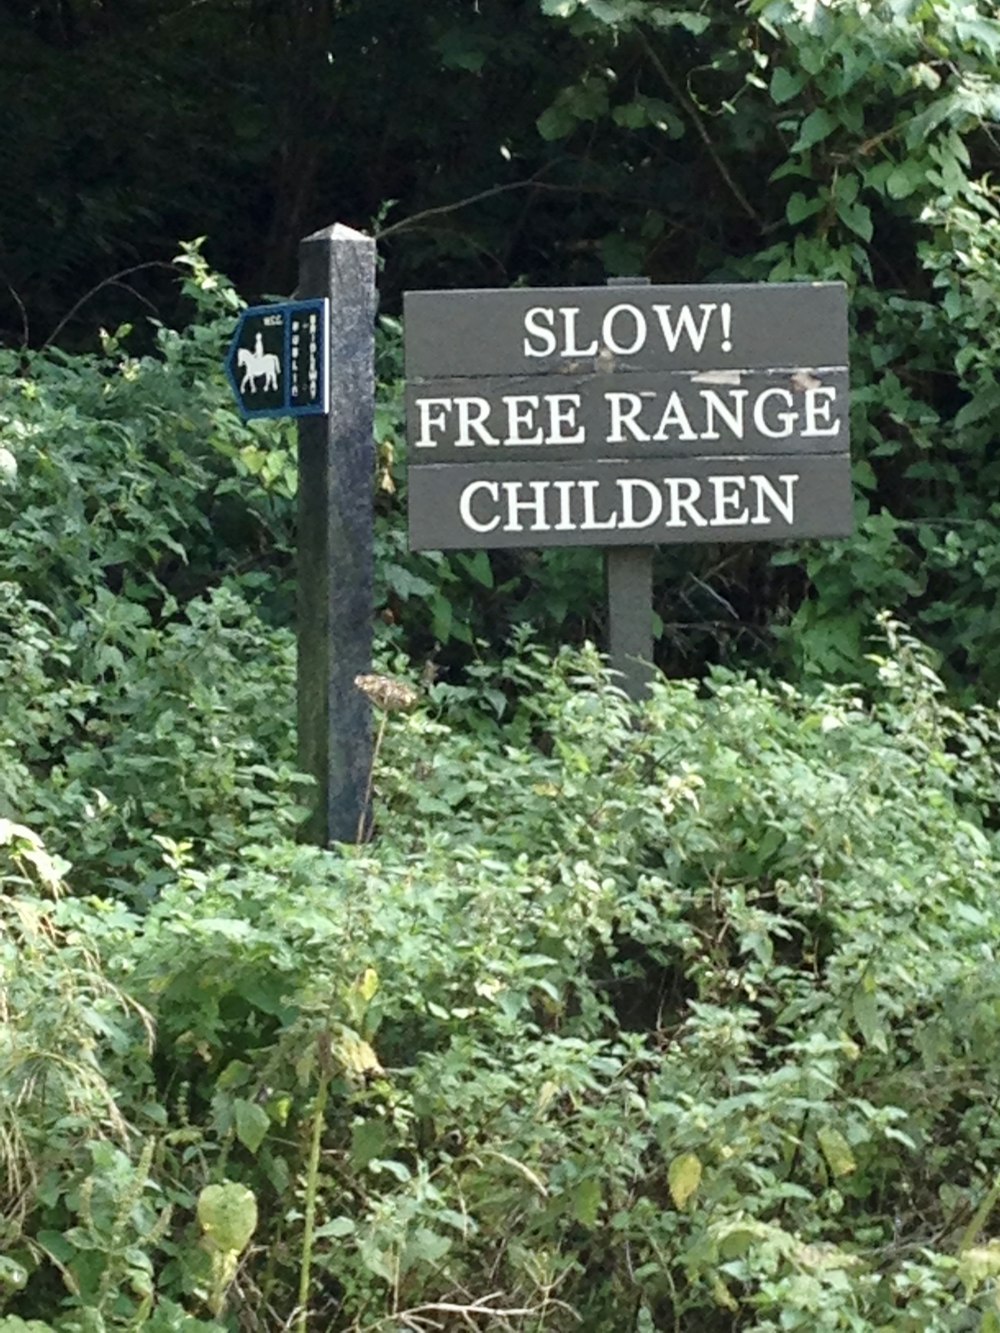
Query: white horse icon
point(257, 363)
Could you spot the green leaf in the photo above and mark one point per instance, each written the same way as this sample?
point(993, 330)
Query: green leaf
point(785, 84)
point(836, 1150)
point(227, 1214)
point(691, 21)
point(858, 218)
point(983, 404)
point(555, 123)
point(683, 1177)
point(865, 1010)
point(252, 1123)
point(369, 1139)
point(587, 1201)
point(903, 180)
point(442, 617)
point(337, 1227)
point(800, 207)
point(632, 115)
point(979, 1264)
point(815, 128)
point(605, 11)
point(367, 985)
point(479, 568)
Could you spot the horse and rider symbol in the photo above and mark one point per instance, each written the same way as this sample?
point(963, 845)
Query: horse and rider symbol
point(257, 363)
point(277, 360)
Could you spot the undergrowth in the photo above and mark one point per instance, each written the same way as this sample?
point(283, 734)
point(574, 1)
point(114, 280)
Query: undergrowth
point(677, 1017)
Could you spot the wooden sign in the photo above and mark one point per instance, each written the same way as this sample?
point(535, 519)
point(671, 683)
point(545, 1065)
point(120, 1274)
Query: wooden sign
point(627, 415)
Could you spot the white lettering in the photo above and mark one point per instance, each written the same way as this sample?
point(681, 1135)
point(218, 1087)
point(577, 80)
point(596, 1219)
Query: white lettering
point(625, 407)
point(787, 419)
point(562, 414)
point(535, 504)
point(590, 523)
point(685, 325)
point(564, 488)
point(520, 412)
point(538, 323)
point(465, 505)
point(680, 502)
point(638, 333)
point(472, 415)
point(736, 485)
point(816, 411)
point(425, 406)
point(733, 419)
point(785, 505)
point(674, 415)
point(627, 486)
point(569, 314)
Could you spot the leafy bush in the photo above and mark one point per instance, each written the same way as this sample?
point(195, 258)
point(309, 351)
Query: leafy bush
point(679, 1017)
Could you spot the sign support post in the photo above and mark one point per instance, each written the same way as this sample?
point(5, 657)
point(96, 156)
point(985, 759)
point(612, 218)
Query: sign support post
point(628, 584)
point(628, 596)
point(335, 555)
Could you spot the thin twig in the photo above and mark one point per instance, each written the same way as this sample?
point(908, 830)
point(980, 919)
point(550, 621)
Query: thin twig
point(699, 124)
point(415, 218)
point(25, 331)
point(418, 1314)
point(105, 282)
point(312, 1189)
point(143, 300)
point(366, 803)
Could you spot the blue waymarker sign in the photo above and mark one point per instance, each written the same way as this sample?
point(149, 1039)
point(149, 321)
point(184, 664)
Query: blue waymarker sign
point(277, 360)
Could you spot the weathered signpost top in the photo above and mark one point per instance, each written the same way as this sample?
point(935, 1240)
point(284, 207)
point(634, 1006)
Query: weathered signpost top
point(627, 416)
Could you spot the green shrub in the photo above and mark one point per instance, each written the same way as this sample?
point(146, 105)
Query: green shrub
point(684, 1018)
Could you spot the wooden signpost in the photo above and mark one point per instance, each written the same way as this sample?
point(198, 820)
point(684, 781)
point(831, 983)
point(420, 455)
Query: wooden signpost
point(335, 552)
point(627, 416)
point(313, 358)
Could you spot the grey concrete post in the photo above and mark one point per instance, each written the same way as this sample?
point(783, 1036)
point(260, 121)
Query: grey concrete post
point(335, 559)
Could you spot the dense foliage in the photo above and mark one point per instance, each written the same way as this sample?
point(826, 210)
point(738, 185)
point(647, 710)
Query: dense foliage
point(645, 1019)
point(679, 1020)
point(547, 141)
point(680, 1016)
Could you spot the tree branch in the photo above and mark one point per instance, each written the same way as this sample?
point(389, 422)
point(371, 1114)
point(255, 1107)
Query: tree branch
point(696, 120)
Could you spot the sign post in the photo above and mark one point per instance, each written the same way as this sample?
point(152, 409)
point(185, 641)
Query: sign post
point(335, 559)
point(628, 598)
point(625, 417)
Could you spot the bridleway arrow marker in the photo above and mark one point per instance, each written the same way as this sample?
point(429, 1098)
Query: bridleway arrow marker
point(277, 360)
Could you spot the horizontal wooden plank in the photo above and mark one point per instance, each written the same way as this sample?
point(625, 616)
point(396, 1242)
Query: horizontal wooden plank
point(622, 329)
point(553, 418)
point(629, 503)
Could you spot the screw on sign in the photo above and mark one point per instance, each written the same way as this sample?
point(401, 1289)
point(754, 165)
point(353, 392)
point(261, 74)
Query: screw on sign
point(277, 360)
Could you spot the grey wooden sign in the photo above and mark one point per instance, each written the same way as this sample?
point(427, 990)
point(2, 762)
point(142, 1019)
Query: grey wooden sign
point(627, 415)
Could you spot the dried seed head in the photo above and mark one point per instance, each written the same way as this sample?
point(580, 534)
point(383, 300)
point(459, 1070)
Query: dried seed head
point(395, 696)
